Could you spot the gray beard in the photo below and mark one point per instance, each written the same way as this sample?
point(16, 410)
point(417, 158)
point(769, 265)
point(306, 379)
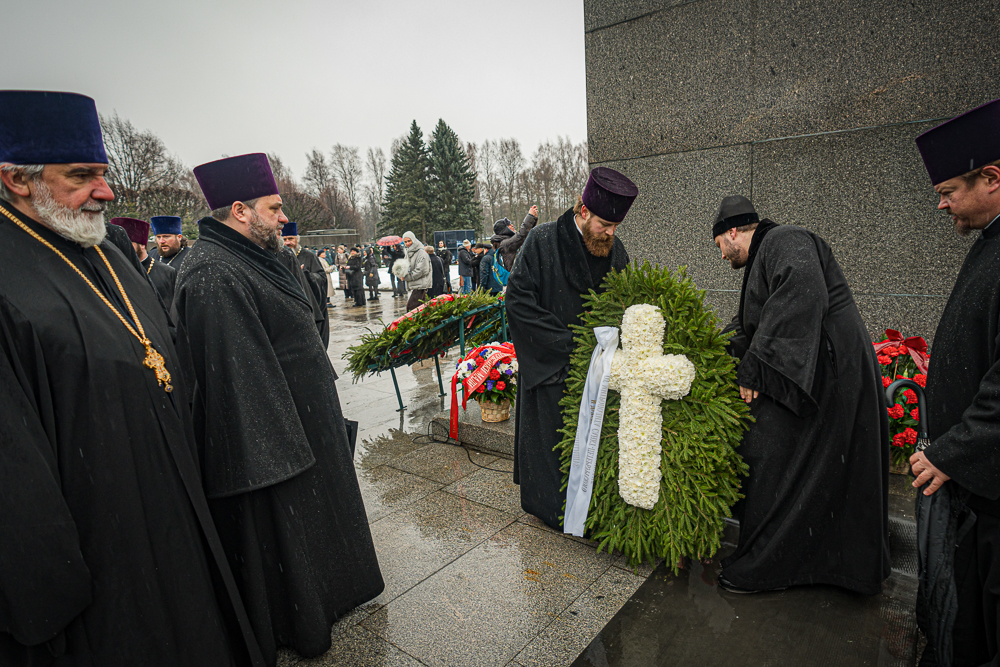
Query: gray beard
point(262, 235)
point(84, 226)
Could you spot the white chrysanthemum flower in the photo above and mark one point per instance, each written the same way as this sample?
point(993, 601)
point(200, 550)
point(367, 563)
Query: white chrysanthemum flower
point(644, 376)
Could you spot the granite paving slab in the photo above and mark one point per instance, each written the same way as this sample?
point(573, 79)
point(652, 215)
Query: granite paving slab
point(357, 647)
point(386, 490)
point(493, 437)
point(563, 639)
point(491, 488)
point(442, 463)
point(486, 606)
point(379, 450)
point(415, 542)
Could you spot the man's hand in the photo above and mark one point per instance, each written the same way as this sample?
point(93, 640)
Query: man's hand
point(926, 472)
point(748, 394)
point(534, 210)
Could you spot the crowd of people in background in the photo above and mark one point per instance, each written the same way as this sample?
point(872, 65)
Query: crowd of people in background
point(480, 265)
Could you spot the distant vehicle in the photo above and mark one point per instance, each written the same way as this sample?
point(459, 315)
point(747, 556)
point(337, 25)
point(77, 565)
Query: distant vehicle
point(453, 240)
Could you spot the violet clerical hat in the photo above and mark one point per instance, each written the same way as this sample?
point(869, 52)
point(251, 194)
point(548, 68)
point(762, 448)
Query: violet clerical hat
point(233, 179)
point(165, 224)
point(40, 127)
point(137, 230)
point(609, 194)
point(290, 229)
point(962, 144)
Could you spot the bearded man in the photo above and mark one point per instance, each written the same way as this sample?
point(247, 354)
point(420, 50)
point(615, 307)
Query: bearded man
point(962, 158)
point(104, 522)
point(171, 246)
point(313, 278)
point(276, 461)
point(160, 275)
point(815, 509)
point(558, 263)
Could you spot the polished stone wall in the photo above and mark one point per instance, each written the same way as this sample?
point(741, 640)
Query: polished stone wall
point(810, 110)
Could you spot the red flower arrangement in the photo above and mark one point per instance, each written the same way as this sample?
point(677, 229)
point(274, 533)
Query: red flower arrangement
point(903, 358)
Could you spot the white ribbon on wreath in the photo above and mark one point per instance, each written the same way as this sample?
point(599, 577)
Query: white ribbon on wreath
point(644, 376)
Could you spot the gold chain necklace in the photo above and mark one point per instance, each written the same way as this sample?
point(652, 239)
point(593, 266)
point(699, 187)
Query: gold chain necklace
point(154, 360)
point(152, 260)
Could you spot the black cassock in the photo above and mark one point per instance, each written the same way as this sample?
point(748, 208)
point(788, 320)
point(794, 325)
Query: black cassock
point(288, 258)
point(316, 277)
point(163, 278)
point(544, 296)
point(963, 422)
point(104, 525)
point(816, 500)
point(276, 462)
point(174, 260)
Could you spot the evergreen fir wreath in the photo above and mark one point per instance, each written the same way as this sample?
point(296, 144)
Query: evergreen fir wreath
point(700, 466)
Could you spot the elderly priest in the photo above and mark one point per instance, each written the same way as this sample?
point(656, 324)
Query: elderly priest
point(559, 263)
point(276, 462)
point(108, 553)
point(816, 506)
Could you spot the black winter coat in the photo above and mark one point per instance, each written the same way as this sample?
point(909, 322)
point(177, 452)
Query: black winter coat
point(465, 260)
point(371, 271)
point(509, 247)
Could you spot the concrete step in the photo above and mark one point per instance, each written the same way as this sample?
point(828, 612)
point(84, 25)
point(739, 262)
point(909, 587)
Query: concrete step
point(493, 437)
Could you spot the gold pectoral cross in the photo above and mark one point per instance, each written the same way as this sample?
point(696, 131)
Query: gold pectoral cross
point(155, 361)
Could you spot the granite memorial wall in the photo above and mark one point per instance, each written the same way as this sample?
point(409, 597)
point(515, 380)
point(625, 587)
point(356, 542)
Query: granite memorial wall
point(810, 110)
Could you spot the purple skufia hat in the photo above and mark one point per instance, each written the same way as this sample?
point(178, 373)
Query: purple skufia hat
point(40, 127)
point(609, 194)
point(233, 179)
point(137, 230)
point(962, 144)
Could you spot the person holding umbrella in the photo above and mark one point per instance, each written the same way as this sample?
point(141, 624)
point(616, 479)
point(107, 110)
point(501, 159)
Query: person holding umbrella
point(393, 252)
point(962, 461)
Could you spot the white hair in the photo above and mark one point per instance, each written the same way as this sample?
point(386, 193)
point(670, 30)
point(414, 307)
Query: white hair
point(30, 172)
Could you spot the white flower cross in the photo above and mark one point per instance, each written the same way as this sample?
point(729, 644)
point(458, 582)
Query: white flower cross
point(644, 376)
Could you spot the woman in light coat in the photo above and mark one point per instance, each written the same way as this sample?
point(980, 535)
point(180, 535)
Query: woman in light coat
point(342, 270)
point(331, 291)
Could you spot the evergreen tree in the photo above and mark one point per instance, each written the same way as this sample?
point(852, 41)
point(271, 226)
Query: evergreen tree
point(406, 206)
point(451, 183)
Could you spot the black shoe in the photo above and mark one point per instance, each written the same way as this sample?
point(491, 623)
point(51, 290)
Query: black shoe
point(739, 590)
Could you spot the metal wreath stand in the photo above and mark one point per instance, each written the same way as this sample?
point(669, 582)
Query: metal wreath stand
point(493, 314)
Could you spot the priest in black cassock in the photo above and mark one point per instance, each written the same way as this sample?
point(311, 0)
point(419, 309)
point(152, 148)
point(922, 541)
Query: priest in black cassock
point(276, 462)
point(962, 158)
point(108, 552)
point(171, 246)
point(313, 277)
point(559, 263)
point(815, 509)
point(161, 275)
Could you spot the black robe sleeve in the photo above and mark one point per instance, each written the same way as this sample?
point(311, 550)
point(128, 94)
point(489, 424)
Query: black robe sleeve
point(315, 275)
point(550, 340)
point(791, 302)
point(44, 581)
point(969, 451)
point(248, 444)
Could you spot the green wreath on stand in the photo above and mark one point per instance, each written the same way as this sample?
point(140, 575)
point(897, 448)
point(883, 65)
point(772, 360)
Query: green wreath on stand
point(700, 467)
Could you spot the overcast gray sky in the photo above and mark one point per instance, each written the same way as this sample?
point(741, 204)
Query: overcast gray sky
point(214, 77)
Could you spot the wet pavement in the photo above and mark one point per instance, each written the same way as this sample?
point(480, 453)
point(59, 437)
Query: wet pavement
point(470, 578)
point(688, 619)
point(473, 580)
